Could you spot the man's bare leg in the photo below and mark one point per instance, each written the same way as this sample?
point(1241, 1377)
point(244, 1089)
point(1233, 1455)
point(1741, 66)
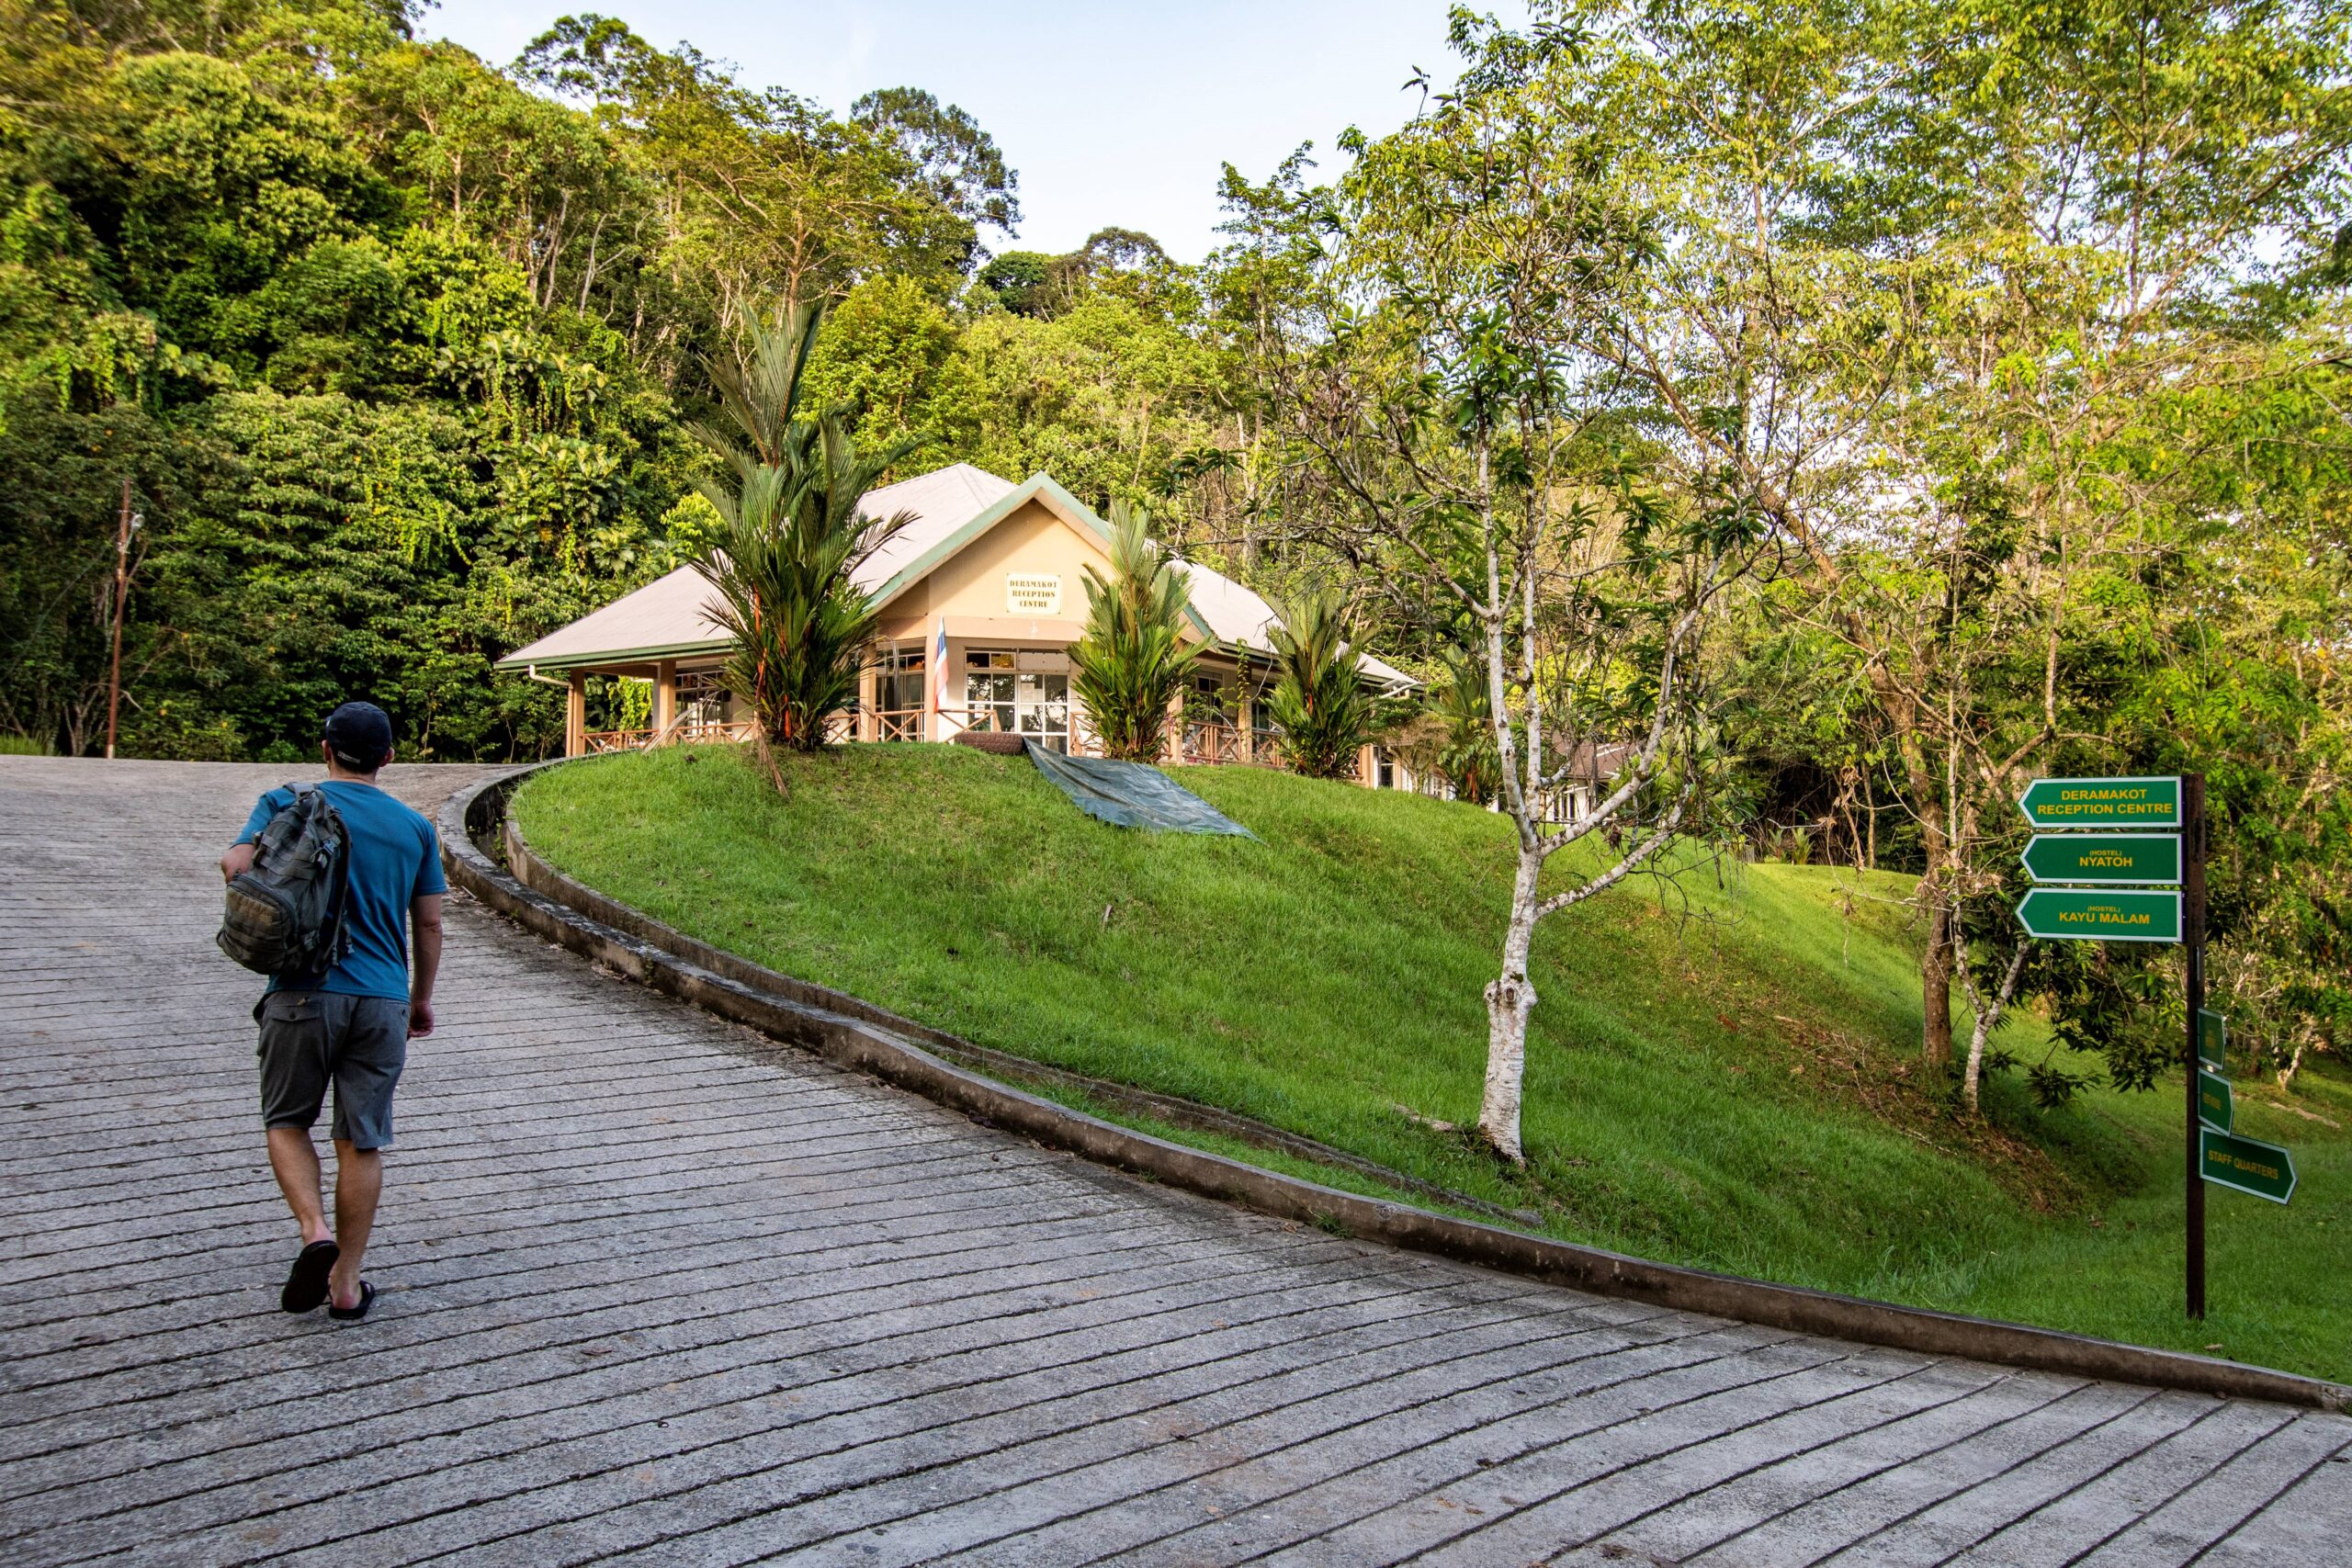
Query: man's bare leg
point(294, 1160)
point(359, 1182)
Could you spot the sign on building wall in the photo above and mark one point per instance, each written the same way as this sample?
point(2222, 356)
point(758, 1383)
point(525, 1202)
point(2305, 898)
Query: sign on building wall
point(1033, 592)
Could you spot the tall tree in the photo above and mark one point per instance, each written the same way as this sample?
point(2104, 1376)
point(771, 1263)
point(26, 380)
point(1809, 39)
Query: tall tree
point(1479, 446)
point(791, 538)
point(1130, 665)
point(1318, 696)
point(1924, 271)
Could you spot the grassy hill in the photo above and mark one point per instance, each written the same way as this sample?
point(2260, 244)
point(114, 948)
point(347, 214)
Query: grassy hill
point(1722, 1071)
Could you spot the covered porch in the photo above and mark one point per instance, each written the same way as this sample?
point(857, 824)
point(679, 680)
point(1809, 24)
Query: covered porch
point(987, 684)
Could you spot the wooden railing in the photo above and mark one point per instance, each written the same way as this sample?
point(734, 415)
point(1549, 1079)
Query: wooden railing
point(1199, 741)
point(703, 731)
point(894, 724)
point(1209, 741)
point(682, 733)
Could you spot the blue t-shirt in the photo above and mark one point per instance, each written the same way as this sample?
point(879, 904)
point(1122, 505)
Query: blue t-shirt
point(395, 857)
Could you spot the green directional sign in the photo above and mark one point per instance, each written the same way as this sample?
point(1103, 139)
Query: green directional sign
point(2103, 802)
point(2141, 858)
point(2213, 1038)
point(2216, 1107)
point(2081, 914)
point(2264, 1169)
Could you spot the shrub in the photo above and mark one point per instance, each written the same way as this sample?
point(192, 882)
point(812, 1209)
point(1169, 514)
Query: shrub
point(790, 538)
point(1133, 660)
point(1325, 713)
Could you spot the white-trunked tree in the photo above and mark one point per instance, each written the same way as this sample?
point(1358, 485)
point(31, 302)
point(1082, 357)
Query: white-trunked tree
point(1499, 473)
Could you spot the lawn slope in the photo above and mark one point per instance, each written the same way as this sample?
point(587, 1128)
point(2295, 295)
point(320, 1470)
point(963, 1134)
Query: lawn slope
point(1722, 1071)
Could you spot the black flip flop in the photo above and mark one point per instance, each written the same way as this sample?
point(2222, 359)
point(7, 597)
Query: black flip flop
point(306, 1286)
point(353, 1315)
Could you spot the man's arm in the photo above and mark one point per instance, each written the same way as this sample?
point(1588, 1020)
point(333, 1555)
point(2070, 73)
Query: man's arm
point(239, 858)
point(424, 926)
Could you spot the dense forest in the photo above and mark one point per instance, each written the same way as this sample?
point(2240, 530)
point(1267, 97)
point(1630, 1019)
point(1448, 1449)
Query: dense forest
point(1999, 347)
point(396, 350)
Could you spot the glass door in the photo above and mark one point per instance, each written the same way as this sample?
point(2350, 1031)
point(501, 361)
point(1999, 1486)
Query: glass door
point(1002, 695)
point(1041, 706)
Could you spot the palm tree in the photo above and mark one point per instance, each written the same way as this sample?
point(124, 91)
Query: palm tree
point(791, 538)
point(1466, 755)
point(1325, 713)
point(1133, 660)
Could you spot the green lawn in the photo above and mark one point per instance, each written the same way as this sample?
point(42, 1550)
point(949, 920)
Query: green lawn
point(1724, 1071)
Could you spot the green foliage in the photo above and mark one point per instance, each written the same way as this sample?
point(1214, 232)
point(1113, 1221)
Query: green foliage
point(1740, 1091)
point(1124, 262)
point(1466, 754)
point(1317, 698)
point(896, 360)
point(395, 351)
point(1134, 658)
point(791, 534)
point(2033, 368)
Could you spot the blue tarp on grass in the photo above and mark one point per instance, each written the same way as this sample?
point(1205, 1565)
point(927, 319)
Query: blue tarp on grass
point(1132, 795)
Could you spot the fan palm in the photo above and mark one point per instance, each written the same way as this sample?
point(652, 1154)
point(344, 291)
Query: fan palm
point(1325, 713)
point(1133, 660)
point(791, 538)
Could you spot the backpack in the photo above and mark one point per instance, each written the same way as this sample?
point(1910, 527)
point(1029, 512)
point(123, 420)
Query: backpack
point(286, 911)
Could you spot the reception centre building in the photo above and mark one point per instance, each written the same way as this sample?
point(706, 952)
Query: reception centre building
point(980, 597)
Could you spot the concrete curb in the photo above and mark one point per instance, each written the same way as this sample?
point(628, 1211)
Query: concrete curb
point(850, 1034)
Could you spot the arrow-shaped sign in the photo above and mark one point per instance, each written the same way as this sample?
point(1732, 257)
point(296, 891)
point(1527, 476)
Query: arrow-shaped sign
point(2213, 1038)
point(2083, 914)
point(2139, 859)
point(2216, 1106)
point(2103, 802)
point(2264, 1169)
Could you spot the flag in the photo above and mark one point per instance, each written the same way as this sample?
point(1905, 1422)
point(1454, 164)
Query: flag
point(938, 666)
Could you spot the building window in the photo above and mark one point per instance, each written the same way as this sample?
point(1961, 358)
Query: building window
point(999, 696)
point(701, 700)
point(1262, 717)
point(898, 686)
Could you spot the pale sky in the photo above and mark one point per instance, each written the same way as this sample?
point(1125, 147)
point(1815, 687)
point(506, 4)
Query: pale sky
point(1113, 113)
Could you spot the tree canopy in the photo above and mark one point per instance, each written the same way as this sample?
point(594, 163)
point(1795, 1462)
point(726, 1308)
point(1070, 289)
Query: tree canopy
point(2004, 341)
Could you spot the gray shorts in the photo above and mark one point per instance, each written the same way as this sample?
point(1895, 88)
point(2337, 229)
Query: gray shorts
point(309, 1037)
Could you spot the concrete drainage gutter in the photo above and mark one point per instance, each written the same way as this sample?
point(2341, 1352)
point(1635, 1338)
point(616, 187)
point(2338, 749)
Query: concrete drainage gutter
point(855, 1034)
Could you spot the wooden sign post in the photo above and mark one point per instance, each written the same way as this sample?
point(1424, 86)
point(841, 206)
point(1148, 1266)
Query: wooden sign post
point(2092, 904)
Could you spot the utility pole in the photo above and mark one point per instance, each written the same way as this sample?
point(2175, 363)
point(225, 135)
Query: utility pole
point(2192, 935)
point(121, 598)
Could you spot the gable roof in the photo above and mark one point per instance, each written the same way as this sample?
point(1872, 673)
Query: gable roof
point(951, 507)
point(1238, 618)
point(667, 616)
point(934, 545)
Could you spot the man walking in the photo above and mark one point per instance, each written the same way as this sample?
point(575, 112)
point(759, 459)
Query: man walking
point(349, 1026)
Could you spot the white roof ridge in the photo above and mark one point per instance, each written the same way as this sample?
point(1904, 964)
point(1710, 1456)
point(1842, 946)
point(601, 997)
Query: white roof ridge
point(671, 614)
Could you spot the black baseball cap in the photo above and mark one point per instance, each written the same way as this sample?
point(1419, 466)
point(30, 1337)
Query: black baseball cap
point(360, 735)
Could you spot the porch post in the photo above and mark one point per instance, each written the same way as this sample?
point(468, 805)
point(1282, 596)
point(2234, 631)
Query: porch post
point(575, 716)
point(665, 698)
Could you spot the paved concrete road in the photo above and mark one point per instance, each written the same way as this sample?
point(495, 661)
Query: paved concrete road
point(655, 1291)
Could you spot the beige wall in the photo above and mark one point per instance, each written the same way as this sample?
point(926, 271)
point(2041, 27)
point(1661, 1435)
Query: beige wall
point(969, 593)
point(969, 587)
